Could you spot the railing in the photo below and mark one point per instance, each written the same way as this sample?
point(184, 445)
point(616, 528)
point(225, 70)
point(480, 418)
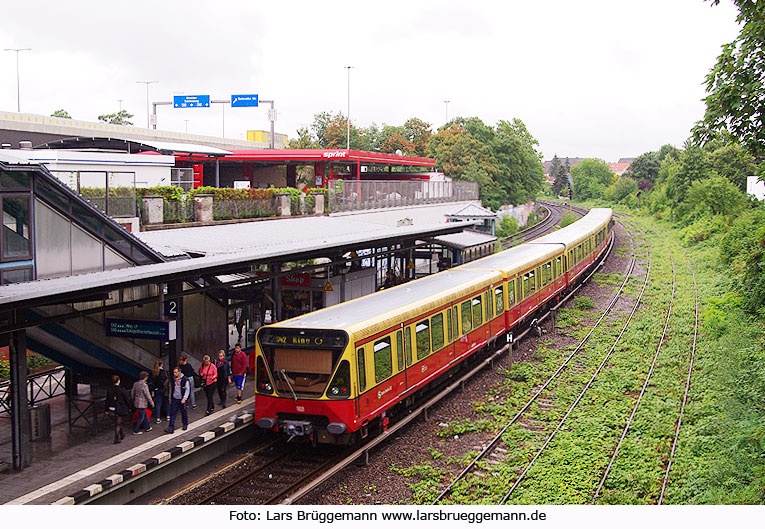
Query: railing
point(353, 195)
point(42, 386)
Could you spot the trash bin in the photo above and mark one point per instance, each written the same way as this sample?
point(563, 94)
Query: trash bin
point(39, 422)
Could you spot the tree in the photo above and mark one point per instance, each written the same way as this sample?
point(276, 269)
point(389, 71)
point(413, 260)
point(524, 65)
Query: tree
point(734, 163)
point(716, 195)
point(418, 133)
point(61, 113)
point(560, 176)
point(693, 165)
point(736, 84)
point(619, 190)
point(117, 118)
point(303, 141)
point(591, 178)
point(645, 167)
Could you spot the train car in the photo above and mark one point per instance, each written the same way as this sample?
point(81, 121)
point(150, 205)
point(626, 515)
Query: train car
point(334, 375)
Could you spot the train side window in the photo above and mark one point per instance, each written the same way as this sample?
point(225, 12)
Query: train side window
point(546, 274)
point(449, 328)
point(499, 300)
point(399, 351)
point(437, 331)
point(362, 369)
point(511, 293)
point(559, 267)
point(489, 305)
point(467, 326)
point(455, 322)
point(477, 312)
point(408, 345)
point(383, 359)
point(422, 331)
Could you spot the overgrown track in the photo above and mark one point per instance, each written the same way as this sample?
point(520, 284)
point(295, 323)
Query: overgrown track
point(493, 444)
point(687, 381)
point(587, 386)
point(645, 383)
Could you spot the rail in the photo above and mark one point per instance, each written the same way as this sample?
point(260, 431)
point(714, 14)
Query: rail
point(40, 387)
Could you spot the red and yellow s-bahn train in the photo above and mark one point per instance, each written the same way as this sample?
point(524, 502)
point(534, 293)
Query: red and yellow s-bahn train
point(333, 375)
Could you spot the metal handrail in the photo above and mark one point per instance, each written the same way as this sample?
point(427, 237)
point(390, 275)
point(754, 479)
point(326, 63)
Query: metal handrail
point(40, 387)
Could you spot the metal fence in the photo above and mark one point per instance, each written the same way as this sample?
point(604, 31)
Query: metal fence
point(350, 195)
point(42, 386)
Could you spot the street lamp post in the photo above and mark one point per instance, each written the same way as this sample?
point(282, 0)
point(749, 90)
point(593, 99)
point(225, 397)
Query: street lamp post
point(446, 103)
point(348, 126)
point(147, 83)
point(18, 89)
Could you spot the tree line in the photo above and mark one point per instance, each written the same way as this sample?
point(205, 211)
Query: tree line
point(504, 160)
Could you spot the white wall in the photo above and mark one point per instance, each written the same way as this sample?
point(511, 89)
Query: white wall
point(755, 187)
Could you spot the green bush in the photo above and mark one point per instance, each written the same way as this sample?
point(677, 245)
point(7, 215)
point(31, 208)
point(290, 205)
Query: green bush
point(168, 193)
point(507, 227)
point(621, 189)
point(568, 218)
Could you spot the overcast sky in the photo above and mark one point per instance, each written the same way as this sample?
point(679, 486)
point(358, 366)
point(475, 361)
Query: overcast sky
point(605, 79)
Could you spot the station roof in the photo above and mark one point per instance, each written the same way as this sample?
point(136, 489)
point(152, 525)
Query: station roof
point(472, 211)
point(285, 156)
point(322, 235)
point(464, 239)
point(135, 146)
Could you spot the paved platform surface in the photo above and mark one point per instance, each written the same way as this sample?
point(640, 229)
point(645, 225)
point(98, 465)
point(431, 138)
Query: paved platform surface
point(67, 462)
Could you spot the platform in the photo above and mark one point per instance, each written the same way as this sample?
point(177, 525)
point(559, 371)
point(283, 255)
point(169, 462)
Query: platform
point(68, 463)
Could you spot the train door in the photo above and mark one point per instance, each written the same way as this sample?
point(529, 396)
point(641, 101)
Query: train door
point(450, 337)
point(400, 357)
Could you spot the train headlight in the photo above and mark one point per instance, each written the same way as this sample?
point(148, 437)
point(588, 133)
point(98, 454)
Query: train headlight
point(339, 387)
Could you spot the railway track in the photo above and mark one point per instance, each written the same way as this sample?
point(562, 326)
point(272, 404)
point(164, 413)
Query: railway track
point(687, 382)
point(489, 448)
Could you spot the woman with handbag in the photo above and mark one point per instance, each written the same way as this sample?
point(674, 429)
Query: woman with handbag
point(209, 374)
point(117, 406)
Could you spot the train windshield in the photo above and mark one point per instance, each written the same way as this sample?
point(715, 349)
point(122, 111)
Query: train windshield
point(301, 362)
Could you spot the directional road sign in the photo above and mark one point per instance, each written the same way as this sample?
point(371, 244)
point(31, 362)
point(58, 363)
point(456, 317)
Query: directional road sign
point(244, 100)
point(191, 101)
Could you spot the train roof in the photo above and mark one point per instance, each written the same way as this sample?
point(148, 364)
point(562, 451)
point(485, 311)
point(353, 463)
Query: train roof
point(372, 313)
point(514, 260)
point(573, 234)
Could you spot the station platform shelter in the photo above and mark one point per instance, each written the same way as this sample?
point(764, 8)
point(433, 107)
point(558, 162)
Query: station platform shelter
point(280, 167)
point(82, 291)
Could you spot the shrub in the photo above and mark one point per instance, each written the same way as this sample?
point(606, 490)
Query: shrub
point(567, 219)
point(507, 227)
point(620, 189)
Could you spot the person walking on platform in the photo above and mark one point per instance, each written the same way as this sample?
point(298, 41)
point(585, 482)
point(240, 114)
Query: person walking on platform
point(158, 393)
point(141, 400)
point(179, 394)
point(239, 370)
point(117, 406)
point(188, 372)
point(224, 376)
point(209, 374)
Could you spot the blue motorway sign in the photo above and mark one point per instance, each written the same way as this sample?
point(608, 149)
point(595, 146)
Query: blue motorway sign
point(191, 101)
point(244, 100)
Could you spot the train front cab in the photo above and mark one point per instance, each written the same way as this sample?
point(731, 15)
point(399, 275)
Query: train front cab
point(297, 371)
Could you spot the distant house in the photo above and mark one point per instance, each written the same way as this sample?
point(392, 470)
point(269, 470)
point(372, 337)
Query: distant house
point(621, 166)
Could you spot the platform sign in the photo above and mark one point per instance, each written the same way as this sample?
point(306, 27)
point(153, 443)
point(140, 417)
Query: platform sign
point(191, 101)
point(145, 329)
point(244, 100)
